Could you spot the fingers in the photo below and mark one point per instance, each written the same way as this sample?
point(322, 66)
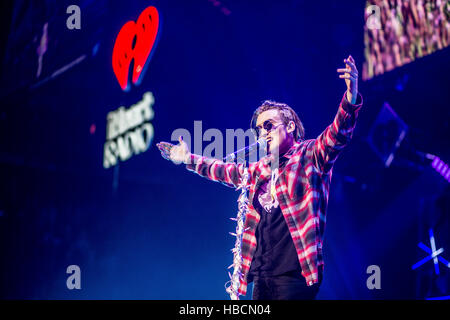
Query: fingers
point(349, 60)
point(165, 148)
point(165, 156)
point(350, 71)
point(347, 71)
point(348, 76)
point(344, 70)
point(350, 63)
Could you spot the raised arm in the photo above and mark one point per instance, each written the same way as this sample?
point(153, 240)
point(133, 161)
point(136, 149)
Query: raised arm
point(336, 136)
point(229, 174)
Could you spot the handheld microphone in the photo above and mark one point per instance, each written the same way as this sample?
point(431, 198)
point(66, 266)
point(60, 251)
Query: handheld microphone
point(247, 150)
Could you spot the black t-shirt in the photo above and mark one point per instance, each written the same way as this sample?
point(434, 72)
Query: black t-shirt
point(275, 251)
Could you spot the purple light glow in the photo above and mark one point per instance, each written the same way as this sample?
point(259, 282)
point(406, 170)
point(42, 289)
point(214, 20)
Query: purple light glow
point(441, 167)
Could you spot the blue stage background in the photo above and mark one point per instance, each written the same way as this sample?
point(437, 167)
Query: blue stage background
point(148, 229)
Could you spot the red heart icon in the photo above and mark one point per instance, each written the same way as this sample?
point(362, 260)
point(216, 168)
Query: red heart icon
point(135, 41)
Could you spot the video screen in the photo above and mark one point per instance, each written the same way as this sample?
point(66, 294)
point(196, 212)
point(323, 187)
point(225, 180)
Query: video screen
point(398, 32)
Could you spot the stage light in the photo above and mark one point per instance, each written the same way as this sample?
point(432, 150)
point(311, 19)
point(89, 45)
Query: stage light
point(440, 166)
point(433, 254)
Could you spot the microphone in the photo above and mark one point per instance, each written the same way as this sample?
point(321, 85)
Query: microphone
point(247, 150)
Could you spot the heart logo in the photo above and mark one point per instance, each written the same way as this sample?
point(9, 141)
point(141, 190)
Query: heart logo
point(135, 41)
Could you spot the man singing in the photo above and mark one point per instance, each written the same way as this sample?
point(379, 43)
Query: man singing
point(282, 245)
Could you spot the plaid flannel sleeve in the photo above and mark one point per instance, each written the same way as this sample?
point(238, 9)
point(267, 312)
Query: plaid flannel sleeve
point(337, 135)
point(229, 174)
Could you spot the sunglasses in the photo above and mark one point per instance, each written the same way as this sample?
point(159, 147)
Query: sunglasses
point(268, 126)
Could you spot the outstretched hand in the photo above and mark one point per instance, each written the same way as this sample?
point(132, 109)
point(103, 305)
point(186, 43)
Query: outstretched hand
point(176, 153)
point(350, 74)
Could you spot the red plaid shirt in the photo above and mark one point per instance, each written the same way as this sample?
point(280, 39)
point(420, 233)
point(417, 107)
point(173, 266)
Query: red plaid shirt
point(302, 189)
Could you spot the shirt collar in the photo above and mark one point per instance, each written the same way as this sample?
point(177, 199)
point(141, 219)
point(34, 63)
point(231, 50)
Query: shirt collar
point(288, 154)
